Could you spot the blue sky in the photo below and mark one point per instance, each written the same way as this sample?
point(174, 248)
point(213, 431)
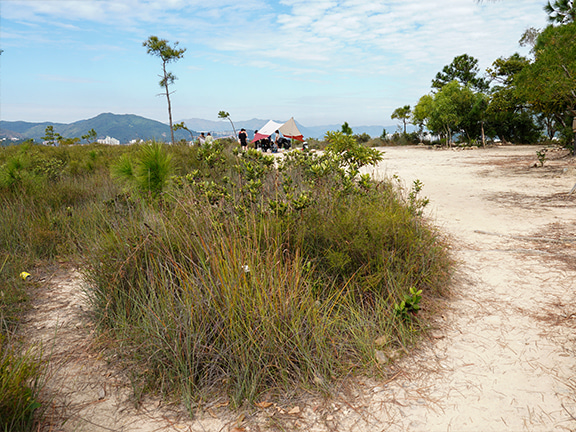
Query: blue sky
point(319, 61)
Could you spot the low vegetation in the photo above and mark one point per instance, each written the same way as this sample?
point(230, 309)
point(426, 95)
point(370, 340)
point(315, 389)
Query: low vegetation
point(217, 272)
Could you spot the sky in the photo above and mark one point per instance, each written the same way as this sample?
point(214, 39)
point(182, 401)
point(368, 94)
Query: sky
point(322, 62)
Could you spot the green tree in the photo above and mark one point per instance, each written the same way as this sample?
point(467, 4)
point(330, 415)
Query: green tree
point(464, 69)
point(225, 115)
point(422, 112)
point(346, 129)
point(161, 48)
point(455, 108)
point(471, 107)
point(181, 125)
point(503, 70)
point(51, 137)
point(90, 136)
point(508, 116)
point(403, 114)
point(440, 112)
point(548, 84)
point(445, 118)
point(561, 11)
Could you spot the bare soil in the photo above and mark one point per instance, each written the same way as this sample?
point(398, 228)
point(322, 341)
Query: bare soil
point(500, 355)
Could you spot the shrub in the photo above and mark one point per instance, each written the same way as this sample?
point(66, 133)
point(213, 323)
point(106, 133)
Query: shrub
point(258, 274)
point(149, 171)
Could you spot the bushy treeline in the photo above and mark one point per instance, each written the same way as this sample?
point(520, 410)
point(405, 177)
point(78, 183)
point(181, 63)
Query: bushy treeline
point(217, 271)
point(519, 99)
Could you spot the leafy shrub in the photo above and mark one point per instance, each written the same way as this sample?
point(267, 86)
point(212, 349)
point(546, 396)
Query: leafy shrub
point(238, 272)
point(149, 171)
point(257, 273)
point(401, 138)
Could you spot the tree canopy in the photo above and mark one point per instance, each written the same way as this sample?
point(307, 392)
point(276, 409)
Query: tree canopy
point(549, 83)
point(464, 69)
point(403, 114)
point(561, 11)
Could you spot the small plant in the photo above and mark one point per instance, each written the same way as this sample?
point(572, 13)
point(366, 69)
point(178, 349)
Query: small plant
point(409, 306)
point(149, 172)
point(415, 203)
point(541, 155)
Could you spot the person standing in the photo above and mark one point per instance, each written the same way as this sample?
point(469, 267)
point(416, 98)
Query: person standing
point(243, 137)
point(257, 142)
point(209, 138)
point(201, 139)
point(276, 145)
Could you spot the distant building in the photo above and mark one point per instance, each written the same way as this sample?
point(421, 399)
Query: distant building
point(108, 140)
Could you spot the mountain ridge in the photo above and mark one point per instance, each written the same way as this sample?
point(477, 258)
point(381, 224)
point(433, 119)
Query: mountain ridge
point(127, 127)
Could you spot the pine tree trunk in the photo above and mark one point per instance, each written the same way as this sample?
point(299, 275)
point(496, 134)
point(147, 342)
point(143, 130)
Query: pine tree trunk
point(170, 114)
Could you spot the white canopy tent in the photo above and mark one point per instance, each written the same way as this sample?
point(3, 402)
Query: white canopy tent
point(288, 129)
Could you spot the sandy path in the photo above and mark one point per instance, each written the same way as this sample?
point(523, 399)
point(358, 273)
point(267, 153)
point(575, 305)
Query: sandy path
point(506, 360)
point(502, 357)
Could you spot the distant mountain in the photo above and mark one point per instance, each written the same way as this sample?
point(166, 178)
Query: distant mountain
point(123, 127)
point(127, 127)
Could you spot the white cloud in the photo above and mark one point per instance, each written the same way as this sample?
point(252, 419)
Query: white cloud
point(395, 45)
point(337, 32)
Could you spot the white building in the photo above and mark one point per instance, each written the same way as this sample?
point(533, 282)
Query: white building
point(108, 140)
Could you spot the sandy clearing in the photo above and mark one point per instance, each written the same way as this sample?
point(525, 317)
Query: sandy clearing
point(501, 356)
point(506, 361)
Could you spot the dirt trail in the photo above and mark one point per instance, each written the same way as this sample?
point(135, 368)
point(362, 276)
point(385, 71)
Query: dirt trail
point(505, 360)
point(501, 358)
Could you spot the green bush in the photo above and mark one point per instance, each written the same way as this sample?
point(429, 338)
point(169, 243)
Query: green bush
point(149, 171)
point(256, 274)
point(226, 271)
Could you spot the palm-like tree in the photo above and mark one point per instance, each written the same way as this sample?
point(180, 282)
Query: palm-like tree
point(561, 11)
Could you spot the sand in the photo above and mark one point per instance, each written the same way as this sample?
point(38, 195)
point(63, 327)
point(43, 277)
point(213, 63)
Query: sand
point(500, 355)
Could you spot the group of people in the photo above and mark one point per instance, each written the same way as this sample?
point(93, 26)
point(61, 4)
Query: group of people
point(205, 139)
point(265, 144)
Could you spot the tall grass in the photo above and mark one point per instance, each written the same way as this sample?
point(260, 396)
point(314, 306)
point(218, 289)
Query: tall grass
point(221, 272)
point(251, 279)
point(20, 382)
point(51, 201)
point(214, 308)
